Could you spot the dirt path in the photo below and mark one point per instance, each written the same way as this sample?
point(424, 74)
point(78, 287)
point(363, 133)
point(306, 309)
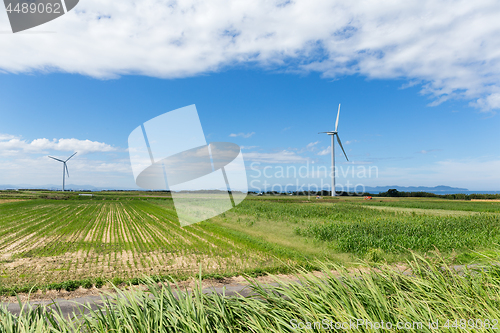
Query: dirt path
point(75, 305)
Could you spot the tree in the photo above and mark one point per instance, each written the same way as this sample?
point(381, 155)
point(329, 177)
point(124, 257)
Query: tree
point(392, 192)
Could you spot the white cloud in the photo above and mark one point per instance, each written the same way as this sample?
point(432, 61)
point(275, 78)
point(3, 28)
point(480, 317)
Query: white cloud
point(83, 171)
point(451, 48)
point(428, 151)
point(357, 162)
point(4, 137)
point(311, 146)
point(11, 145)
point(325, 151)
point(489, 102)
point(283, 156)
point(243, 135)
point(18, 159)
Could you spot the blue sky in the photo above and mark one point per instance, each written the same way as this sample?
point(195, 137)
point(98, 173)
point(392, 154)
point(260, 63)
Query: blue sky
point(381, 124)
point(419, 101)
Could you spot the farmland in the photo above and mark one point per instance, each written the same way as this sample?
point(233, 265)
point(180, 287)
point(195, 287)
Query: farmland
point(122, 236)
point(50, 241)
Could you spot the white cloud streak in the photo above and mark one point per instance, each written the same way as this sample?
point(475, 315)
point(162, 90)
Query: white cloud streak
point(311, 146)
point(243, 135)
point(283, 156)
point(449, 47)
point(325, 151)
point(428, 151)
point(474, 174)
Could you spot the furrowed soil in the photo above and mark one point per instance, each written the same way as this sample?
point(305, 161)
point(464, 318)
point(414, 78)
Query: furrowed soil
point(48, 241)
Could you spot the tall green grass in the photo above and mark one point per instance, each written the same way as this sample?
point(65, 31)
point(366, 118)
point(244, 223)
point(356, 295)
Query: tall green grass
point(433, 292)
point(352, 228)
point(396, 233)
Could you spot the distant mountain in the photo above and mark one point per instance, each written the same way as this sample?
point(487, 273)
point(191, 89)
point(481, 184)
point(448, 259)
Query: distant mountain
point(441, 189)
point(436, 189)
point(72, 187)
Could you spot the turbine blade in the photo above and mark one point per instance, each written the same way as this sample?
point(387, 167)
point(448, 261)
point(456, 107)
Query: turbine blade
point(67, 171)
point(340, 143)
point(70, 157)
point(337, 122)
point(56, 159)
point(322, 132)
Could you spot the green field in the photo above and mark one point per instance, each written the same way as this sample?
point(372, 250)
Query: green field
point(51, 237)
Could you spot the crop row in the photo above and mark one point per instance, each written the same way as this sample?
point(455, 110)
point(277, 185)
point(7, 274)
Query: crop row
point(397, 233)
point(48, 241)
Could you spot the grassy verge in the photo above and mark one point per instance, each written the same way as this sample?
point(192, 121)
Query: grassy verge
point(434, 296)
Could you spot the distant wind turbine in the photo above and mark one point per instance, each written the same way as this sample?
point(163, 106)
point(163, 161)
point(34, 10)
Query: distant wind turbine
point(333, 134)
point(65, 167)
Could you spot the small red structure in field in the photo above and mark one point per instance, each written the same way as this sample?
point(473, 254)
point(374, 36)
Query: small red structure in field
point(368, 198)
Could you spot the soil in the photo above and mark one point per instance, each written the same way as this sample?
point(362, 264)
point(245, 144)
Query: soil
point(10, 200)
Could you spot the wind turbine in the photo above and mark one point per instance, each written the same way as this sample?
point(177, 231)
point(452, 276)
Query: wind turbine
point(333, 134)
point(65, 167)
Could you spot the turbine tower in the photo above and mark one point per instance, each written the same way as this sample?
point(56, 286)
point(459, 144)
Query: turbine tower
point(65, 167)
point(333, 134)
